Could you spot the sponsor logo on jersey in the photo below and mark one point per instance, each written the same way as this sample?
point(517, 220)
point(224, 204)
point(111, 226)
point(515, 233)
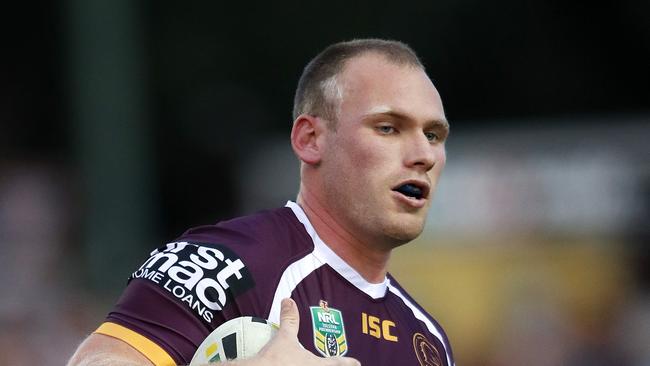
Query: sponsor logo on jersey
point(426, 353)
point(329, 331)
point(378, 328)
point(203, 277)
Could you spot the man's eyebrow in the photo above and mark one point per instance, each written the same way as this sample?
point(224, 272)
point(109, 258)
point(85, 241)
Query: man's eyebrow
point(385, 111)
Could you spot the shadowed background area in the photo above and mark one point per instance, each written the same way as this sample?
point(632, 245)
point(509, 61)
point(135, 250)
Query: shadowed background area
point(123, 123)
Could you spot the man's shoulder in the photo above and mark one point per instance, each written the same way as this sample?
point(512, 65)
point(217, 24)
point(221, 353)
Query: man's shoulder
point(275, 229)
point(265, 242)
point(415, 308)
point(416, 311)
point(222, 271)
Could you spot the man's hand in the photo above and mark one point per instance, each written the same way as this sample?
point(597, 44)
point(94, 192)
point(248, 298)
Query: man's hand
point(284, 349)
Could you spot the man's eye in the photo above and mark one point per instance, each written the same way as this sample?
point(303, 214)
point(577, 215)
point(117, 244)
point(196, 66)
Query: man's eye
point(431, 136)
point(386, 129)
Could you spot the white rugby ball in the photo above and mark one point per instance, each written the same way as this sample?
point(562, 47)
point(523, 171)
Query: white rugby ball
point(237, 338)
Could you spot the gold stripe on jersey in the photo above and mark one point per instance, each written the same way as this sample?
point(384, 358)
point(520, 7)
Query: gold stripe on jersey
point(149, 349)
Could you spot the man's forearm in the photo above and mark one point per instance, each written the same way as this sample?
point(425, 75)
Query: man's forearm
point(104, 359)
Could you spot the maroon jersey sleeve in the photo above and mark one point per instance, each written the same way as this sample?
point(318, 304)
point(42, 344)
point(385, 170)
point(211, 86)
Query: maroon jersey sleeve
point(211, 274)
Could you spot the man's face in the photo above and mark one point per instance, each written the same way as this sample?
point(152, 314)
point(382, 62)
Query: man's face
point(382, 161)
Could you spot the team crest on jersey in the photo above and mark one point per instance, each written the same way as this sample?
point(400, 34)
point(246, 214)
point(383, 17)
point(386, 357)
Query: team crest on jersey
point(329, 331)
point(426, 352)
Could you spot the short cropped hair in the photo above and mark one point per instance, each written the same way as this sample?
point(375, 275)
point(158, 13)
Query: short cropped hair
point(318, 93)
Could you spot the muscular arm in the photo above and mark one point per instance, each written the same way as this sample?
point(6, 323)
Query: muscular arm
point(283, 350)
point(102, 350)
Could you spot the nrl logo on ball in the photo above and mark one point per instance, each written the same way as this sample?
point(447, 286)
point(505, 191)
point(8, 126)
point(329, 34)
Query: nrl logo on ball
point(329, 331)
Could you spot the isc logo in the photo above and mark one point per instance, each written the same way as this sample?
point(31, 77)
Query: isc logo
point(327, 318)
point(377, 328)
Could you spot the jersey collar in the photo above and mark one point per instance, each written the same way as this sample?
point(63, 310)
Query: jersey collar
point(323, 252)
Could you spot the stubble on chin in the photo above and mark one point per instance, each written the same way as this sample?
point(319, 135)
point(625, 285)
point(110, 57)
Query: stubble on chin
point(403, 226)
point(400, 233)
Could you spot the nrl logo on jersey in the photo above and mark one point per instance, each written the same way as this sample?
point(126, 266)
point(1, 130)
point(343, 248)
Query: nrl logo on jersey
point(329, 331)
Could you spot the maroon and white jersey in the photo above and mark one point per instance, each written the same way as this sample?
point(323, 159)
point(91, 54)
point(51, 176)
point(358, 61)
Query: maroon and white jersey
point(246, 266)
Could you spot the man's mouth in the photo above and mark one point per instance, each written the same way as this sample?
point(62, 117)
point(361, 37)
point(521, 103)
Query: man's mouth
point(413, 190)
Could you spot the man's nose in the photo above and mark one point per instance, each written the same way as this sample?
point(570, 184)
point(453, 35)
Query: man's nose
point(420, 153)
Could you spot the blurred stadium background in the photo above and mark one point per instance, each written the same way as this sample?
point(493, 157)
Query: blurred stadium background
point(122, 123)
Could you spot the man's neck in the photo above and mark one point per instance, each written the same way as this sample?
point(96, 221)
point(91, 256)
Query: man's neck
point(370, 261)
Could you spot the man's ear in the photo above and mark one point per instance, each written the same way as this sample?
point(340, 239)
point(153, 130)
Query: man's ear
point(306, 138)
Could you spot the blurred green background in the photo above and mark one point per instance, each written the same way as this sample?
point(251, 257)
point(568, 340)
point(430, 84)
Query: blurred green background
point(123, 123)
